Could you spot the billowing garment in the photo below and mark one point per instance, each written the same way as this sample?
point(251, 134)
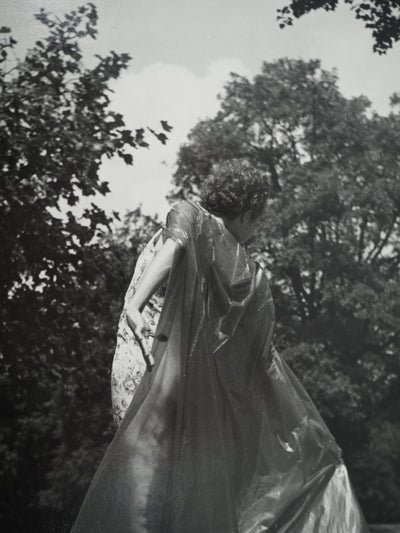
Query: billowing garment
point(220, 437)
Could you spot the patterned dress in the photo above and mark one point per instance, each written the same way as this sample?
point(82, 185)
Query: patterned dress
point(128, 364)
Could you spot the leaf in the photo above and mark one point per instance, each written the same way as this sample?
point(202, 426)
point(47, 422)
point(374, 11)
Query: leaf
point(160, 136)
point(166, 126)
point(127, 158)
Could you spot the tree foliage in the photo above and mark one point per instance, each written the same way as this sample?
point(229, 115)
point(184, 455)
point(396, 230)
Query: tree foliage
point(330, 240)
point(380, 16)
point(61, 279)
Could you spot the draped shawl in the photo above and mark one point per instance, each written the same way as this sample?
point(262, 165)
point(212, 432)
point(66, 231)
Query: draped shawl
point(220, 437)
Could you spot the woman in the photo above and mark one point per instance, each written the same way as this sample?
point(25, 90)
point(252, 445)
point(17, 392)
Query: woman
point(220, 437)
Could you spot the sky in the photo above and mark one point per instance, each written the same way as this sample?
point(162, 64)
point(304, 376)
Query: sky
point(183, 52)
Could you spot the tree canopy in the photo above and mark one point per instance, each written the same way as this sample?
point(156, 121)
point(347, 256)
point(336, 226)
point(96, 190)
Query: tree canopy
point(330, 239)
point(380, 16)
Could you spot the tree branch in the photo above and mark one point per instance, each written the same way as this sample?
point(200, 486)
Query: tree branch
point(363, 225)
point(264, 155)
point(301, 294)
point(374, 253)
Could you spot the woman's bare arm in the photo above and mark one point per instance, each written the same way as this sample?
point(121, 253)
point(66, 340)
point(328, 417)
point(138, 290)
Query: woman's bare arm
point(154, 276)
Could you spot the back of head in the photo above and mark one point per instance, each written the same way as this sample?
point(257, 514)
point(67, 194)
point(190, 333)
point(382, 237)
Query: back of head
point(233, 188)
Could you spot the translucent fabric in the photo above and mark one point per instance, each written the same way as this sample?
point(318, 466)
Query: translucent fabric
point(220, 437)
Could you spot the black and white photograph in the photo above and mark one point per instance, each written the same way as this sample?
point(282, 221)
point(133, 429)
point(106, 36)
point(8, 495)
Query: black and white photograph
point(200, 266)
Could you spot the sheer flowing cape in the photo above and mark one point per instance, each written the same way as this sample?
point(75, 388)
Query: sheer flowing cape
point(220, 437)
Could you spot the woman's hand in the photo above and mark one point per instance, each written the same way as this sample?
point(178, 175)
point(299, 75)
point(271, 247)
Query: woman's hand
point(141, 331)
point(136, 322)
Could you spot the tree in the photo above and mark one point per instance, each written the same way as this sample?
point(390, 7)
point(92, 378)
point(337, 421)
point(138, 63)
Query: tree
point(381, 16)
point(61, 280)
point(81, 425)
point(330, 240)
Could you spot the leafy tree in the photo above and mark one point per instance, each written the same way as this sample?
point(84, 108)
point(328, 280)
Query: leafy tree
point(330, 240)
point(61, 279)
point(79, 434)
point(381, 16)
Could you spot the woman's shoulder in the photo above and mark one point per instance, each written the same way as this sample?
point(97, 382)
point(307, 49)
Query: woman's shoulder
point(186, 208)
point(182, 221)
point(185, 214)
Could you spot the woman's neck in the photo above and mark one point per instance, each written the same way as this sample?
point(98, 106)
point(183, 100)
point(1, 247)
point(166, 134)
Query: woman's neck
point(235, 227)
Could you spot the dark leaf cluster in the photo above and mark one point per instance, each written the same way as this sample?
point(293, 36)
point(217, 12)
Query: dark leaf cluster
point(380, 16)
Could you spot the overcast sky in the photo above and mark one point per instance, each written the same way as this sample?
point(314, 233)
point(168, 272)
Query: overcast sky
point(183, 52)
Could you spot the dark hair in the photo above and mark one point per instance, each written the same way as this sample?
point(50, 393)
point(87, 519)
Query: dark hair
point(233, 188)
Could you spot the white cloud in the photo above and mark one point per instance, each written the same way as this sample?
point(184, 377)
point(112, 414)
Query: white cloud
point(160, 92)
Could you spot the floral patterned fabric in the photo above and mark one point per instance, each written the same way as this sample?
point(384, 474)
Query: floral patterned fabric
point(128, 364)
